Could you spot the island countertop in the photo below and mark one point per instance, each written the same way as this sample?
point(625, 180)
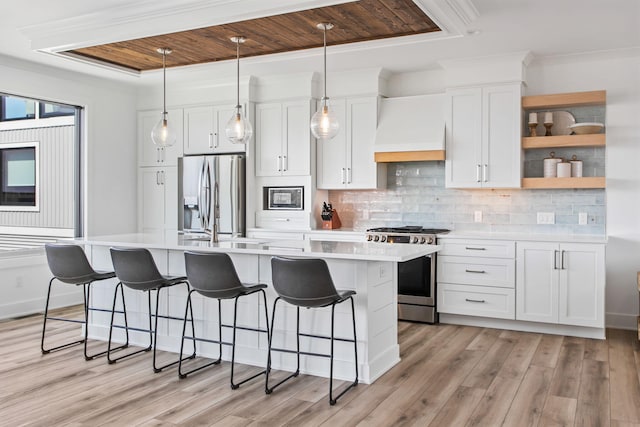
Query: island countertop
point(368, 251)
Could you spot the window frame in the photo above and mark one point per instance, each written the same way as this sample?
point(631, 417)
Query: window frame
point(43, 115)
point(36, 146)
point(3, 109)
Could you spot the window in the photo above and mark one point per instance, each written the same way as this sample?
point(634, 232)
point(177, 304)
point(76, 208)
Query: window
point(18, 176)
point(14, 108)
point(55, 110)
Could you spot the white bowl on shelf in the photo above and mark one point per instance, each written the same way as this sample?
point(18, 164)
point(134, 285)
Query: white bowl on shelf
point(586, 128)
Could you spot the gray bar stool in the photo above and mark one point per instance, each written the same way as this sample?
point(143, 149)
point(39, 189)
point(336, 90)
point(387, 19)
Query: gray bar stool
point(308, 283)
point(213, 275)
point(135, 268)
point(68, 264)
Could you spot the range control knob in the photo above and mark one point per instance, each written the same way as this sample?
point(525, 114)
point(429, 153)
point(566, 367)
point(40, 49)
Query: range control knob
point(383, 238)
point(414, 239)
point(376, 238)
point(369, 237)
point(430, 240)
point(422, 240)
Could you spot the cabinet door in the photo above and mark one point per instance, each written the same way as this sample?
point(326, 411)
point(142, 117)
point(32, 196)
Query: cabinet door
point(222, 115)
point(148, 153)
point(332, 154)
point(501, 151)
point(169, 181)
point(582, 283)
point(537, 282)
point(296, 155)
point(199, 130)
point(152, 200)
point(362, 117)
point(463, 138)
point(269, 139)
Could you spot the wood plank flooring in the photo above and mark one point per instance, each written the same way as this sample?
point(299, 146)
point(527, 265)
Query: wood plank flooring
point(449, 376)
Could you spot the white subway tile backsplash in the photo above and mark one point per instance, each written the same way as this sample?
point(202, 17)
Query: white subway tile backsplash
point(416, 196)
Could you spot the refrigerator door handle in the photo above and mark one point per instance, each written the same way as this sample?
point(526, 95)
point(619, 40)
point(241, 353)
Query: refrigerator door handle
point(199, 195)
point(233, 184)
point(207, 192)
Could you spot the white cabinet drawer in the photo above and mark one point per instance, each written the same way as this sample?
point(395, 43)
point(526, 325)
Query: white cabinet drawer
point(477, 271)
point(482, 301)
point(283, 220)
point(478, 248)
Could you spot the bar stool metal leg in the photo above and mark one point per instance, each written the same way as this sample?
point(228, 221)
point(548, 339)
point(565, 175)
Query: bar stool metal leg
point(189, 310)
point(87, 356)
point(269, 390)
point(111, 360)
point(44, 326)
point(332, 400)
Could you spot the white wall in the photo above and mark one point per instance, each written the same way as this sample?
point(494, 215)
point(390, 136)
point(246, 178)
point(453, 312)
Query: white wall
point(619, 74)
point(110, 159)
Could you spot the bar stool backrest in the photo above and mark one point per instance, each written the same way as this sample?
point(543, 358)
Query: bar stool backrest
point(68, 263)
point(303, 282)
point(136, 268)
point(212, 274)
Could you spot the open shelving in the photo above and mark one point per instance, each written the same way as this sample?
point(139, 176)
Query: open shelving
point(575, 99)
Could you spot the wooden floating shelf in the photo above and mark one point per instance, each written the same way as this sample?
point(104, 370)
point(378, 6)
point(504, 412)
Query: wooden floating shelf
point(575, 99)
point(560, 141)
point(409, 156)
point(582, 182)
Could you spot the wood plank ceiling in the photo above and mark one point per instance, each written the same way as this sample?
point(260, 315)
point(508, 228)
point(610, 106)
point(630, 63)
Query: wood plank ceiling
point(357, 21)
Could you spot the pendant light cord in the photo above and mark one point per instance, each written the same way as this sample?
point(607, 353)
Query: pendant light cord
point(238, 75)
point(324, 32)
point(164, 82)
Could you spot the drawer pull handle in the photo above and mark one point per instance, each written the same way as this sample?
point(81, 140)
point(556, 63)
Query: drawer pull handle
point(475, 271)
point(474, 300)
point(475, 249)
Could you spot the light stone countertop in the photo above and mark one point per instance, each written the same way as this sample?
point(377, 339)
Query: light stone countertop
point(566, 238)
point(364, 251)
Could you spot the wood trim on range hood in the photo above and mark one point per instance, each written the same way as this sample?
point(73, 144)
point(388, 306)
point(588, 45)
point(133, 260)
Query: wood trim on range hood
point(409, 156)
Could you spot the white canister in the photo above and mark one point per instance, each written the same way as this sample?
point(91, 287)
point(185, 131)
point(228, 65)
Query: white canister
point(564, 170)
point(576, 167)
point(550, 165)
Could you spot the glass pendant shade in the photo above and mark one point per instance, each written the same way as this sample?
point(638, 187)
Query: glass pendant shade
point(162, 134)
point(238, 129)
point(324, 123)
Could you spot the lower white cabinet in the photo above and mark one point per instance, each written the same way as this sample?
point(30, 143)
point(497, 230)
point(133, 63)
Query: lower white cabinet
point(476, 278)
point(561, 283)
point(158, 201)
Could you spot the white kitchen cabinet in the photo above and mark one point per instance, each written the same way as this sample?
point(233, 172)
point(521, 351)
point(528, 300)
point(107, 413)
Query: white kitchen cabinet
point(158, 202)
point(483, 137)
point(150, 154)
point(560, 283)
point(283, 138)
point(347, 161)
point(476, 278)
point(204, 130)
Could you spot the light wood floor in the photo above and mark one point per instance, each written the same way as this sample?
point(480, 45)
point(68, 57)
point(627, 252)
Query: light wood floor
point(449, 375)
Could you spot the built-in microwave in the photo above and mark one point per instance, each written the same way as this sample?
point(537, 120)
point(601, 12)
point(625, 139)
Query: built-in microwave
point(284, 198)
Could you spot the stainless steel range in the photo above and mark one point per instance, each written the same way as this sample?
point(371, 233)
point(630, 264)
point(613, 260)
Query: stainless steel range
point(416, 278)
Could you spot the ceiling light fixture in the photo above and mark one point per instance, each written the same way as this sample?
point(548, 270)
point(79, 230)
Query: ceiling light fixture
point(238, 129)
point(162, 134)
point(324, 124)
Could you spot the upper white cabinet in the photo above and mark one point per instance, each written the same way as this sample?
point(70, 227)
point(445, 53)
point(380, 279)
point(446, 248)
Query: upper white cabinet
point(204, 130)
point(482, 137)
point(150, 154)
point(560, 283)
point(283, 138)
point(347, 161)
point(158, 202)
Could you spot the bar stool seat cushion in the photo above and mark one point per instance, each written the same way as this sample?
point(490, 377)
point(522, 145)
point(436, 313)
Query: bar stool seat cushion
point(231, 292)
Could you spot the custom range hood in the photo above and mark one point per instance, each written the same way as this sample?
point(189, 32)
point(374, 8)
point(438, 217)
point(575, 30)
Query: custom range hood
point(410, 129)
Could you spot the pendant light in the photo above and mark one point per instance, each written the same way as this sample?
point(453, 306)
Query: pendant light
point(162, 134)
point(238, 129)
point(324, 124)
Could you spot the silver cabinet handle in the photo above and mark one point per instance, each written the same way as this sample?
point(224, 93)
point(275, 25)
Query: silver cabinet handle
point(348, 175)
point(157, 177)
point(485, 169)
point(474, 300)
point(562, 267)
point(469, 248)
point(477, 173)
point(342, 172)
point(157, 155)
point(282, 219)
point(217, 141)
point(475, 271)
point(279, 163)
point(555, 260)
point(285, 163)
point(210, 140)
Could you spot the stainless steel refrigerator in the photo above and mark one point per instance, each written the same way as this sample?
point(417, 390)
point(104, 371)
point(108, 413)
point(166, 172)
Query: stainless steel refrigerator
point(211, 192)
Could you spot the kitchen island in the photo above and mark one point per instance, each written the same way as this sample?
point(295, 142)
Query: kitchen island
point(368, 268)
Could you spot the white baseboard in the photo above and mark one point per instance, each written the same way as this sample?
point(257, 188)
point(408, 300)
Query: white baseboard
point(621, 321)
point(32, 306)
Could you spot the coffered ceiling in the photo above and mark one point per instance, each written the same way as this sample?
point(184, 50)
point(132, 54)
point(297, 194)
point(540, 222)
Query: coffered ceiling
point(359, 21)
